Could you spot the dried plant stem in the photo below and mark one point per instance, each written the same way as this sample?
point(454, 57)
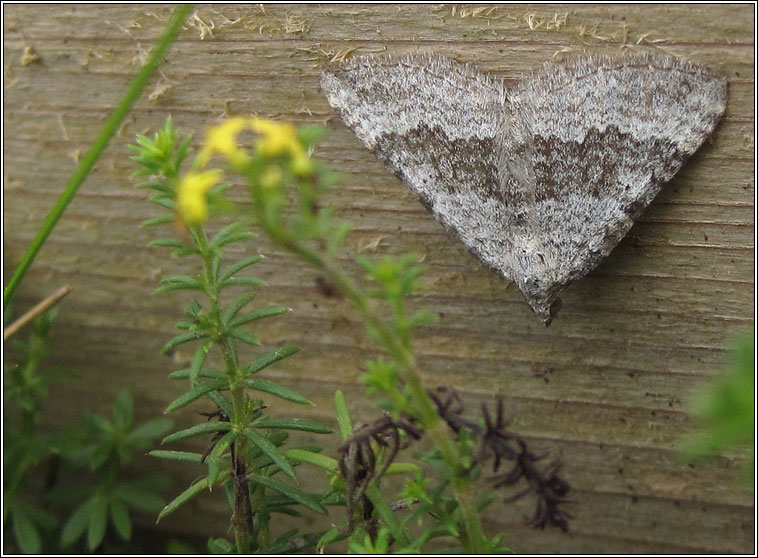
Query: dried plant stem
point(34, 312)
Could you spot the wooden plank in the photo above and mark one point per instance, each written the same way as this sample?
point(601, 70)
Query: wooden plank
point(606, 385)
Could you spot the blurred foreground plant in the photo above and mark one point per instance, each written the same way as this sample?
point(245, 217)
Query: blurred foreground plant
point(724, 409)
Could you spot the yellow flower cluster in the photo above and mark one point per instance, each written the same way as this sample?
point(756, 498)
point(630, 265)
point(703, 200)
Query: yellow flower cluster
point(191, 201)
point(275, 139)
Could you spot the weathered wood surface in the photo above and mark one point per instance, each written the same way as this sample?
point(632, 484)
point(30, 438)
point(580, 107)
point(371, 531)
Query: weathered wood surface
point(606, 384)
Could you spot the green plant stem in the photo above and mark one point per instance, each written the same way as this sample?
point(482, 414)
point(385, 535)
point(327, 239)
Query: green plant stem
point(242, 518)
point(410, 373)
point(90, 158)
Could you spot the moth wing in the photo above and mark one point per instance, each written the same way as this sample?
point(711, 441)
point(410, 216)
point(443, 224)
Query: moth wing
point(440, 126)
point(607, 133)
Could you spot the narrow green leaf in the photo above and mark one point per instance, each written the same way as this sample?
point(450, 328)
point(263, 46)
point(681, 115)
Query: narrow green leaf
point(236, 281)
point(188, 456)
point(145, 432)
point(198, 360)
point(258, 315)
point(204, 372)
point(198, 429)
point(303, 456)
point(123, 409)
point(196, 392)
point(167, 243)
point(164, 202)
point(270, 449)
point(222, 403)
point(293, 424)
point(237, 305)
point(160, 220)
point(226, 231)
point(214, 458)
point(383, 509)
point(138, 496)
point(178, 283)
point(221, 546)
point(120, 519)
point(183, 498)
point(98, 520)
point(277, 390)
point(343, 418)
point(402, 469)
point(239, 266)
point(25, 532)
point(244, 336)
point(157, 186)
point(234, 238)
point(288, 490)
point(269, 358)
point(333, 535)
point(77, 523)
point(183, 338)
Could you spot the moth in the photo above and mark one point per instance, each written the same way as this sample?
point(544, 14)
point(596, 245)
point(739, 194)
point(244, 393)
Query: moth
point(540, 180)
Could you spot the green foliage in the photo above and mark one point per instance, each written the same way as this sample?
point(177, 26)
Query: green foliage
point(725, 409)
point(436, 506)
point(246, 454)
point(87, 478)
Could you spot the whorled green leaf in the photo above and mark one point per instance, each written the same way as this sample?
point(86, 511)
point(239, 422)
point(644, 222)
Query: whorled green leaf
point(237, 281)
point(293, 424)
point(98, 521)
point(214, 458)
point(237, 237)
point(277, 390)
point(322, 461)
point(145, 432)
point(77, 523)
point(25, 532)
point(188, 456)
point(196, 392)
point(269, 358)
point(120, 519)
point(243, 335)
point(270, 450)
point(239, 266)
point(198, 360)
point(198, 429)
point(343, 418)
point(222, 403)
point(307, 500)
point(137, 495)
point(204, 372)
point(179, 283)
point(159, 220)
point(183, 498)
point(220, 546)
point(237, 305)
point(257, 315)
point(183, 338)
point(167, 243)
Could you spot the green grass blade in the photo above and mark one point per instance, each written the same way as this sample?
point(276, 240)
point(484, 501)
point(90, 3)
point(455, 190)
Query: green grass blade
point(101, 142)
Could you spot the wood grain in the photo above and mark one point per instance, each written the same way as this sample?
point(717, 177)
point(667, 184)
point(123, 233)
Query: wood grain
point(606, 385)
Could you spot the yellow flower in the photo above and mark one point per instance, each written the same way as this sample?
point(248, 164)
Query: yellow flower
point(277, 137)
point(223, 139)
point(271, 177)
point(191, 195)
